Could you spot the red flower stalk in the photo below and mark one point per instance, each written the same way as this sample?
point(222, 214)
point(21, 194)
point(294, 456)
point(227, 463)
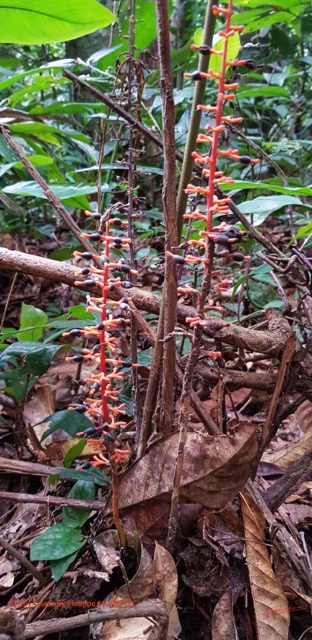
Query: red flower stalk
point(224, 234)
point(102, 404)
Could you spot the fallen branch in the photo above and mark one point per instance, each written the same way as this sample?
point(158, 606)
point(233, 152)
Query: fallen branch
point(29, 498)
point(268, 342)
point(149, 609)
point(300, 471)
point(24, 562)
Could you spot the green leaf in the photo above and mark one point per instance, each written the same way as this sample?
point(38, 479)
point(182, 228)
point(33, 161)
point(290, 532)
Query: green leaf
point(238, 185)
point(36, 160)
point(34, 320)
point(198, 37)
point(74, 516)
point(262, 207)
point(63, 191)
point(215, 61)
point(74, 452)
point(70, 421)
point(259, 91)
point(91, 475)
point(37, 22)
point(304, 231)
point(56, 542)
point(27, 361)
point(58, 567)
point(36, 357)
point(145, 33)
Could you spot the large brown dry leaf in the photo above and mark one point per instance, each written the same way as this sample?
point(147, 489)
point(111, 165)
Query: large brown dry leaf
point(39, 407)
point(130, 629)
point(215, 469)
point(165, 576)
point(223, 624)
point(269, 600)
point(285, 458)
point(304, 415)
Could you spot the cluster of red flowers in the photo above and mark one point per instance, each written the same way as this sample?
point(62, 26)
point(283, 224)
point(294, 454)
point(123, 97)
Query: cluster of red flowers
point(223, 234)
point(101, 405)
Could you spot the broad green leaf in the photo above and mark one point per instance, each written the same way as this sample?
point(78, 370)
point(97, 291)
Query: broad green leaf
point(70, 421)
point(27, 362)
point(259, 91)
point(262, 207)
point(304, 231)
point(74, 452)
point(43, 131)
point(73, 516)
point(233, 48)
point(215, 61)
point(90, 475)
point(37, 22)
point(78, 311)
point(36, 159)
point(36, 357)
point(145, 33)
point(33, 320)
point(238, 185)
point(56, 542)
point(63, 191)
point(58, 567)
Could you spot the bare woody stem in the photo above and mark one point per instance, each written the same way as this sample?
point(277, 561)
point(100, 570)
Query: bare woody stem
point(169, 208)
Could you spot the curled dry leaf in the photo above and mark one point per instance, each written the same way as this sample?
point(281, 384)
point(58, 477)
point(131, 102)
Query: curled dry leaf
point(6, 572)
point(223, 624)
point(39, 407)
point(285, 458)
point(269, 600)
point(105, 548)
point(138, 589)
point(165, 576)
point(303, 415)
point(215, 468)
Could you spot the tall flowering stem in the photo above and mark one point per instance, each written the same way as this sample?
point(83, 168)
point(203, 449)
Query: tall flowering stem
point(102, 404)
point(202, 250)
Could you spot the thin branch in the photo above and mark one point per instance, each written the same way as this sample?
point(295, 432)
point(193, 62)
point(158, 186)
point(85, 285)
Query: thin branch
point(24, 562)
point(268, 342)
point(51, 500)
point(51, 197)
point(289, 483)
point(149, 609)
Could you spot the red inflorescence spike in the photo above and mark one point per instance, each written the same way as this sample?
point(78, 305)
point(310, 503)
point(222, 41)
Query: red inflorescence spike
point(105, 386)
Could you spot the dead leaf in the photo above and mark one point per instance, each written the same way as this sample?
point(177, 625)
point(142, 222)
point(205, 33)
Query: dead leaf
point(225, 529)
point(269, 600)
point(303, 415)
point(151, 522)
point(222, 623)
point(106, 552)
point(58, 449)
point(130, 629)
point(215, 468)
point(39, 407)
point(165, 576)
point(6, 572)
point(285, 458)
